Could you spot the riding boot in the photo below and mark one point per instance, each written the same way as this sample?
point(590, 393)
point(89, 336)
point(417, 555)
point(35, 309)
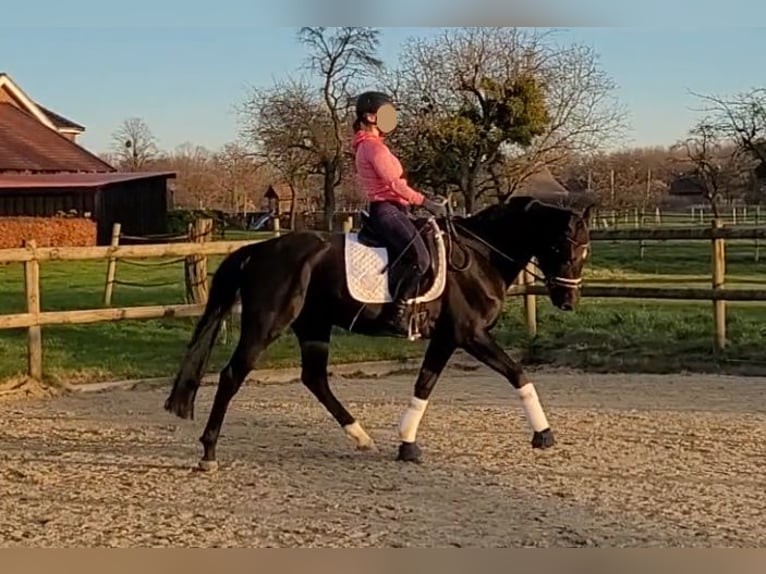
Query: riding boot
point(399, 321)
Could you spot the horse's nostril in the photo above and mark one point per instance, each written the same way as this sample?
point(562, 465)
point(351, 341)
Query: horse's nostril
point(566, 307)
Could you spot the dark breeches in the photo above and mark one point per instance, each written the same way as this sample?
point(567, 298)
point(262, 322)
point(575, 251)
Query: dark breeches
point(393, 223)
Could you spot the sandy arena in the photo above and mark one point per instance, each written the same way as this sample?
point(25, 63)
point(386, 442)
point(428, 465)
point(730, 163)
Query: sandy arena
point(640, 461)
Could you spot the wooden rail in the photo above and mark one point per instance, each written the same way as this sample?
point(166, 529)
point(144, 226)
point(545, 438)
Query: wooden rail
point(32, 253)
point(31, 256)
point(33, 319)
point(717, 294)
point(691, 233)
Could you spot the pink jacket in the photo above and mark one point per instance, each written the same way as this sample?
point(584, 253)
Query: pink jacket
point(380, 173)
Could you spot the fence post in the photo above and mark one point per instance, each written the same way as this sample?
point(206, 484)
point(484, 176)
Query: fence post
point(111, 267)
point(719, 275)
point(195, 266)
point(530, 300)
point(757, 242)
point(34, 333)
point(348, 224)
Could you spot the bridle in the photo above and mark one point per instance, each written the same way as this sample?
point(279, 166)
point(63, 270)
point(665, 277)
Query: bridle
point(570, 283)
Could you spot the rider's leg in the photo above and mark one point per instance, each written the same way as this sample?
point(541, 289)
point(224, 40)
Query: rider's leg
point(395, 225)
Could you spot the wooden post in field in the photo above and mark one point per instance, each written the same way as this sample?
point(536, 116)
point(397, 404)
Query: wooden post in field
point(719, 275)
point(275, 226)
point(757, 243)
point(111, 266)
point(348, 224)
point(530, 300)
point(195, 266)
point(657, 216)
point(34, 333)
point(641, 245)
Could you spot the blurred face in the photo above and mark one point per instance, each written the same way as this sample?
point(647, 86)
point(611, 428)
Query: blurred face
point(563, 263)
point(385, 119)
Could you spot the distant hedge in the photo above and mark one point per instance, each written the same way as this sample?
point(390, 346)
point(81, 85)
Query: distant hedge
point(47, 231)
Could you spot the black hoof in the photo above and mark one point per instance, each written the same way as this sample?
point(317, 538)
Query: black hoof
point(409, 452)
point(543, 439)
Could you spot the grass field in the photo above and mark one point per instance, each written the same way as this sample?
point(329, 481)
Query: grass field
point(602, 335)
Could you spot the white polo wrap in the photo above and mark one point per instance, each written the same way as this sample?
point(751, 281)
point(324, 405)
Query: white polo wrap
point(531, 404)
point(408, 426)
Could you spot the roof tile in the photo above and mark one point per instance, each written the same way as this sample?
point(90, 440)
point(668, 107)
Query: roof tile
point(28, 145)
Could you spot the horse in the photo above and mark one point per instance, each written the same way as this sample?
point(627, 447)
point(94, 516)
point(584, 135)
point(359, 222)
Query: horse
point(312, 282)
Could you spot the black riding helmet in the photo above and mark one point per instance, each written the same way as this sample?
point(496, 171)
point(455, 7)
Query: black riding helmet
point(369, 102)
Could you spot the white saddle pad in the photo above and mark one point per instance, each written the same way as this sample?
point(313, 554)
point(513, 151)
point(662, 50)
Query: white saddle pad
point(367, 284)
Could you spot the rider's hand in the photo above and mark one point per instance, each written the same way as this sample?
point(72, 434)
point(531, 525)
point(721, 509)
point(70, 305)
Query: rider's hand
point(437, 206)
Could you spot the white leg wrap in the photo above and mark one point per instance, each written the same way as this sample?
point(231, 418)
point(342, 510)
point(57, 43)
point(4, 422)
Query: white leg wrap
point(531, 404)
point(408, 426)
point(358, 434)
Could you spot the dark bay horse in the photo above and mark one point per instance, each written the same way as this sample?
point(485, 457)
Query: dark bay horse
point(299, 281)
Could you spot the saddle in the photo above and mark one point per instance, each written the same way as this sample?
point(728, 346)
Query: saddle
point(367, 256)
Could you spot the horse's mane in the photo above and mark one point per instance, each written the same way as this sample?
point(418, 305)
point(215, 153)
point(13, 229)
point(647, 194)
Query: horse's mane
point(499, 212)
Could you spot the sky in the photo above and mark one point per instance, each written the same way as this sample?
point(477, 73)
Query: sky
point(185, 80)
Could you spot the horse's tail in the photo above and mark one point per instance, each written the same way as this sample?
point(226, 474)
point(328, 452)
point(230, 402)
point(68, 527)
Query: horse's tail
point(223, 294)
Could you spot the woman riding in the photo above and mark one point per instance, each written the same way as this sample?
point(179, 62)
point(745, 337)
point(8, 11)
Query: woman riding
point(381, 177)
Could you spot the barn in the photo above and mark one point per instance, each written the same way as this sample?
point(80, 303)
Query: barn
point(543, 185)
point(46, 177)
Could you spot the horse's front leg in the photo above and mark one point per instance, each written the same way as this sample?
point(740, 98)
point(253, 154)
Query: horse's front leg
point(484, 348)
point(438, 353)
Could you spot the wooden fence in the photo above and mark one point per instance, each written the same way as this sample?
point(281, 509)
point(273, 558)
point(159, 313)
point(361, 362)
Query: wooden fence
point(31, 256)
point(33, 319)
point(717, 294)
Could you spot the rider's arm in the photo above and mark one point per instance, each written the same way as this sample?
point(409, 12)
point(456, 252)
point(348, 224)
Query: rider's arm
point(388, 170)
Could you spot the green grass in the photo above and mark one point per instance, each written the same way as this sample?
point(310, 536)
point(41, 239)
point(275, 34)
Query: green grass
point(602, 335)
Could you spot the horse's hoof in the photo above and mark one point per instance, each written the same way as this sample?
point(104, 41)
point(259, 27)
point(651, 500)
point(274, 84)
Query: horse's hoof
point(543, 439)
point(208, 465)
point(368, 446)
point(409, 452)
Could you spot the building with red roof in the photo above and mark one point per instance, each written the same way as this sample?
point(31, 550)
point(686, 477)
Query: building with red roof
point(45, 172)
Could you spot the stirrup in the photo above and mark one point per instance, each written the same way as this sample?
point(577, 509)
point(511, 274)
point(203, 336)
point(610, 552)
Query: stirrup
point(413, 333)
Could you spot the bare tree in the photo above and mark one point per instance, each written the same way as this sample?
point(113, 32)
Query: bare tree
point(623, 179)
point(719, 164)
point(196, 180)
point(741, 118)
point(134, 145)
point(303, 130)
point(285, 127)
point(497, 103)
point(343, 58)
point(239, 176)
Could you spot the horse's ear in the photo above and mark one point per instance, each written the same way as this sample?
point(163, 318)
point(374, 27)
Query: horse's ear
point(531, 204)
point(587, 211)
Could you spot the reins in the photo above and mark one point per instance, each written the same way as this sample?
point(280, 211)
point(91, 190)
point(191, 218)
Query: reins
point(562, 281)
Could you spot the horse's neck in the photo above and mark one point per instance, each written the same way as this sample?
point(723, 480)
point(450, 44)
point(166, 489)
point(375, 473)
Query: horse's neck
point(507, 263)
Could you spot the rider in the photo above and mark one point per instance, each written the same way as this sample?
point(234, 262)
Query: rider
point(381, 177)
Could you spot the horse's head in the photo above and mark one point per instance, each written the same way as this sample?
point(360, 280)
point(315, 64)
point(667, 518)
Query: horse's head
point(561, 244)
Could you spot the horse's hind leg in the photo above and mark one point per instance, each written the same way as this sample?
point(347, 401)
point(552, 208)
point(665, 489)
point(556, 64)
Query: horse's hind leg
point(253, 341)
point(314, 339)
point(264, 317)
